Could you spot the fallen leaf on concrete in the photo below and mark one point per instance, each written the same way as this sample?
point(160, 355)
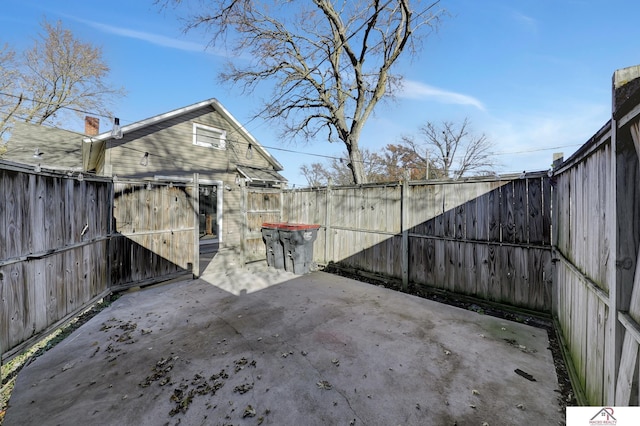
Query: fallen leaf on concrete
point(240, 363)
point(243, 388)
point(249, 412)
point(323, 384)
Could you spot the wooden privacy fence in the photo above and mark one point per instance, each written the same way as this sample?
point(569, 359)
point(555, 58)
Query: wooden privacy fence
point(68, 240)
point(485, 238)
point(597, 235)
point(54, 236)
point(584, 261)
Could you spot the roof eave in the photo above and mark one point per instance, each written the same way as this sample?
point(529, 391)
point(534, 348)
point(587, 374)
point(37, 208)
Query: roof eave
point(180, 111)
point(275, 163)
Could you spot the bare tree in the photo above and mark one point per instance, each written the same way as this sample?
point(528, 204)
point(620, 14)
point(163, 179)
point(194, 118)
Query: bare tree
point(8, 77)
point(316, 174)
point(340, 171)
point(399, 158)
point(58, 75)
point(330, 61)
point(452, 150)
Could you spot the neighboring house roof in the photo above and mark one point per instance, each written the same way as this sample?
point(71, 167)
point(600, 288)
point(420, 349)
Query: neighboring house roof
point(58, 149)
point(91, 156)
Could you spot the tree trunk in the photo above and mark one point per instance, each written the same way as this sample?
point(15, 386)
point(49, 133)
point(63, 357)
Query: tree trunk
point(356, 164)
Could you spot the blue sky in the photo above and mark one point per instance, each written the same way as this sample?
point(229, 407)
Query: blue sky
point(533, 75)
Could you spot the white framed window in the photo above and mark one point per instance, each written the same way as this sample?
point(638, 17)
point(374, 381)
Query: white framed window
point(209, 137)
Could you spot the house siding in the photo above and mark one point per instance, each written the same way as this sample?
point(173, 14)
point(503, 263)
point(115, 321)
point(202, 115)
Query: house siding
point(172, 153)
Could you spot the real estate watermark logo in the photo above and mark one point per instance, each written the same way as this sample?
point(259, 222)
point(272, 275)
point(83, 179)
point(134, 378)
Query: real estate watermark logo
point(604, 417)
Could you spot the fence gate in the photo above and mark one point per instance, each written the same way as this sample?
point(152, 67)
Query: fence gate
point(258, 205)
point(155, 232)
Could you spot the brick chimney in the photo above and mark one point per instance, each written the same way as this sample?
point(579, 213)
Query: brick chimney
point(91, 126)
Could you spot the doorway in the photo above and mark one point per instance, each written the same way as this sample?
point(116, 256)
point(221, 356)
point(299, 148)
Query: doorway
point(210, 213)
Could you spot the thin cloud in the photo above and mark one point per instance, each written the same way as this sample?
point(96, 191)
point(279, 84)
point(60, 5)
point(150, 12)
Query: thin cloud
point(158, 40)
point(416, 90)
point(525, 22)
point(524, 19)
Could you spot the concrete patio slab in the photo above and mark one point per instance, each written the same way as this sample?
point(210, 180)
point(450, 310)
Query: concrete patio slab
point(259, 346)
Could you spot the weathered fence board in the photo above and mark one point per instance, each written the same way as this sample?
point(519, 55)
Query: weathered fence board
point(507, 215)
point(14, 216)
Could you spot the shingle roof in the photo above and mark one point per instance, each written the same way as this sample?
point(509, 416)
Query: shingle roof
point(58, 148)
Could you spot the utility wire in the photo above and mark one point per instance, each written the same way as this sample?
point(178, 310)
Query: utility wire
point(536, 150)
point(324, 156)
point(55, 104)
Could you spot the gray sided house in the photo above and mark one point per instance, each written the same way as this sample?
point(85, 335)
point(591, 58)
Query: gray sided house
point(202, 138)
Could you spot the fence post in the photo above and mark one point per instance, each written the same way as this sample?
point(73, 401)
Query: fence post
point(557, 161)
point(328, 236)
point(404, 226)
point(111, 230)
point(622, 245)
point(196, 226)
point(281, 213)
point(244, 200)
